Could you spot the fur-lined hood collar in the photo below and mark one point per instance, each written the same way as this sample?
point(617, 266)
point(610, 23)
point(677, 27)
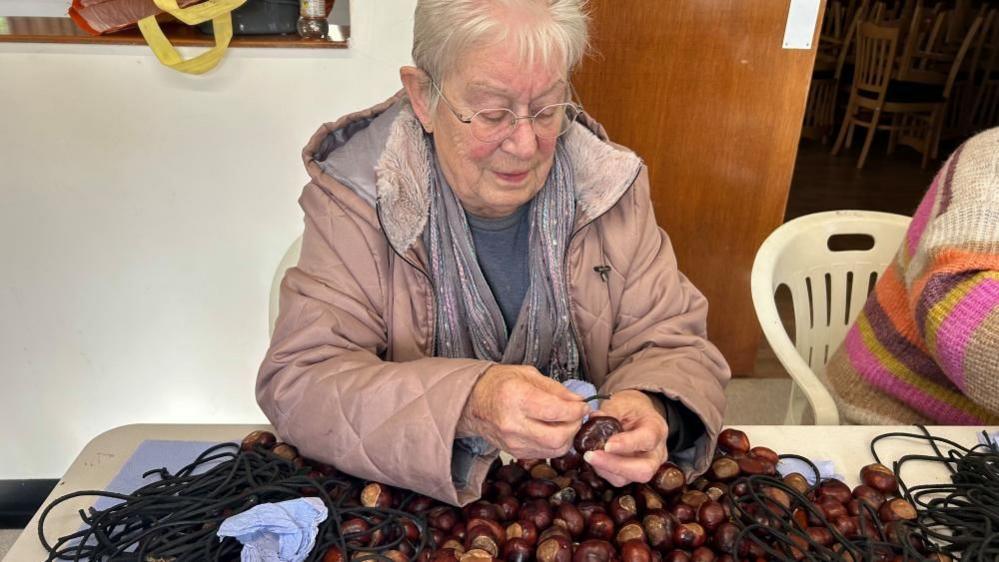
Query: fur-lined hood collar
point(380, 154)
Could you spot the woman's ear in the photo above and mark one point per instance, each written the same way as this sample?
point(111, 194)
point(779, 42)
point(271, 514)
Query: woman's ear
point(416, 83)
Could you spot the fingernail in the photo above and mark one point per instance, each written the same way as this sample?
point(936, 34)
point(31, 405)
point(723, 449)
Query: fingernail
point(588, 456)
point(610, 447)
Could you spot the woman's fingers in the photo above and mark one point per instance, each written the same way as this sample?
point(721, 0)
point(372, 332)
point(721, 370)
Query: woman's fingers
point(541, 406)
point(638, 468)
point(642, 439)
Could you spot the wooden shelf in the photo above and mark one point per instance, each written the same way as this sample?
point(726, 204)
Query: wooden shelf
point(63, 30)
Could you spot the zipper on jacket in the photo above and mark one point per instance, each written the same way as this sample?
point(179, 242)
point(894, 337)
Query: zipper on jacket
point(604, 271)
point(430, 281)
point(583, 363)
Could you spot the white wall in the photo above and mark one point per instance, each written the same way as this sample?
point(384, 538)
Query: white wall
point(142, 213)
point(47, 8)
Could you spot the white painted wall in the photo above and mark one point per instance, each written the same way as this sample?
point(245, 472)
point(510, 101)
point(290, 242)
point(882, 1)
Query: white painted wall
point(47, 8)
point(142, 213)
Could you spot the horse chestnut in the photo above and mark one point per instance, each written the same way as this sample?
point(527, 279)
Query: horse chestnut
point(595, 432)
point(879, 477)
point(261, 439)
point(733, 441)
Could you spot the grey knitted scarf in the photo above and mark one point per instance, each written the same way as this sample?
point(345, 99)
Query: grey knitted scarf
point(469, 321)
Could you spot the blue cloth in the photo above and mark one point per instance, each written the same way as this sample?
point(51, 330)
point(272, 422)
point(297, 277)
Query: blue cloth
point(584, 389)
point(827, 469)
point(277, 532)
point(153, 454)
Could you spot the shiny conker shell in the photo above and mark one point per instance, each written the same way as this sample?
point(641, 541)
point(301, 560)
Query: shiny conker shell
point(595, 432)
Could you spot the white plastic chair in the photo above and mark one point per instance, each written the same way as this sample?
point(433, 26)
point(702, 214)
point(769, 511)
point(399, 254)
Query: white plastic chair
point(289, 260)
point(828, 290)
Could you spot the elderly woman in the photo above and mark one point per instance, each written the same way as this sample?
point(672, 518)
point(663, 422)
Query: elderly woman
point(471, 244)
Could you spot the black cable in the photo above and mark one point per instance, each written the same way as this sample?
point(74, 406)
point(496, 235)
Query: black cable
point(177, 516)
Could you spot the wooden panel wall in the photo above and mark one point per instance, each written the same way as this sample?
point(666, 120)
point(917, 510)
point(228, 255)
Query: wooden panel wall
point(705, 93)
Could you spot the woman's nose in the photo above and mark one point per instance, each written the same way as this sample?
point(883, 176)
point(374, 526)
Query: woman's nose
point(522, 142)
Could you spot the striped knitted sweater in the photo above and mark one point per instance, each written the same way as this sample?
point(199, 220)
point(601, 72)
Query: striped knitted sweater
point(925, 348)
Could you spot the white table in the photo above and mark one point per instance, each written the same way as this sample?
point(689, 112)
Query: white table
point(103, 457)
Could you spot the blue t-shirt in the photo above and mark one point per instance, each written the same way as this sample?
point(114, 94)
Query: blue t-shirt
point(501, 247)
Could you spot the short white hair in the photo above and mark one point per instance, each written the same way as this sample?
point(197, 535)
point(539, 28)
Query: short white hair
point(444, 30)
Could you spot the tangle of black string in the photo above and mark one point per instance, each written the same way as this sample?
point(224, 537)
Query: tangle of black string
point(962, 516)
point(177, 517)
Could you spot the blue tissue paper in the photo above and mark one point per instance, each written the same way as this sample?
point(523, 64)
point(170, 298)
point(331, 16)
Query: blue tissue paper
point(277, 532)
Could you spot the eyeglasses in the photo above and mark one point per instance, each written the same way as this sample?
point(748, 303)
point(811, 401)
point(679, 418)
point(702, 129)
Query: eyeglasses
point(495, 125)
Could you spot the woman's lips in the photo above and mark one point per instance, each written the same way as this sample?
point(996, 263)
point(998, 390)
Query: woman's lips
point(516, 177)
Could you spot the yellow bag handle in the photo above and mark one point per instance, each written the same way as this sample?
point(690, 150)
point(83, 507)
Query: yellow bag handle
point(198, 13)
point(219, 11)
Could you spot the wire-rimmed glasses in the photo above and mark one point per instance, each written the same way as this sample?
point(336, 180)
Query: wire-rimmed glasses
point(496, 124)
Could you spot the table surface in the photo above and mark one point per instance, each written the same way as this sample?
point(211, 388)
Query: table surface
point(847, 446)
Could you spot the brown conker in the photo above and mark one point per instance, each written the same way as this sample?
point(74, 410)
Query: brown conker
point(689, 535)
point(600, 526)
point(669, 479)
point(635, 550)
point(896, 509)
point(554, 549)
point(595, 432)
point(376, 495)
point(524, 530)
point(733, 441)
point(594, 550)
point(261, 439)
point(879, 477)
point(517, 550)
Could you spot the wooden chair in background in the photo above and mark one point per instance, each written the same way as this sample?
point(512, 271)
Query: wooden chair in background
point(875, 64)
point(985, 108)
point(827, 77)
point(923, 131)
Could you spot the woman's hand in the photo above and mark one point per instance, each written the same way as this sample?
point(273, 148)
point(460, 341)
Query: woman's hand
point(635, 454)
point(521, 411)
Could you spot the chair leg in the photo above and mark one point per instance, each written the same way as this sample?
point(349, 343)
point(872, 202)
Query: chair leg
point(872, 128)
point(893, 135)
point(938, 132)
point(847, 124)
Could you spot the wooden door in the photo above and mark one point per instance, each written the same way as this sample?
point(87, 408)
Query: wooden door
point(705, 93)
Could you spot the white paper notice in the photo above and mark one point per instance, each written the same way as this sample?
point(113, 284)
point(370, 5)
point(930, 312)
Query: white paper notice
point(800, 28)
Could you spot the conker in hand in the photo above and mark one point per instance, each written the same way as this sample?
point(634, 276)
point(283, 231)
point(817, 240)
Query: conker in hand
point(595, 432)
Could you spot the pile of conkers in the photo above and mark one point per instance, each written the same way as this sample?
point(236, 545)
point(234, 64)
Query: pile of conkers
point(560, 510)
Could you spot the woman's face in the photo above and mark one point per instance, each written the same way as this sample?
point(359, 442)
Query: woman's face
point(494, 179)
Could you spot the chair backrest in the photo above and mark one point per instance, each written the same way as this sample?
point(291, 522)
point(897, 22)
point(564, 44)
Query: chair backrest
point(876, 45)
point(978, 60)
point(920, 45)
point(289, 260)
point(851, 32)
point(828, 288)
point(962, 52)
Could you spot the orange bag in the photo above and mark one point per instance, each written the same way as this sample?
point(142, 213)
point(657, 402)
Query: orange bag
point(98, 17)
